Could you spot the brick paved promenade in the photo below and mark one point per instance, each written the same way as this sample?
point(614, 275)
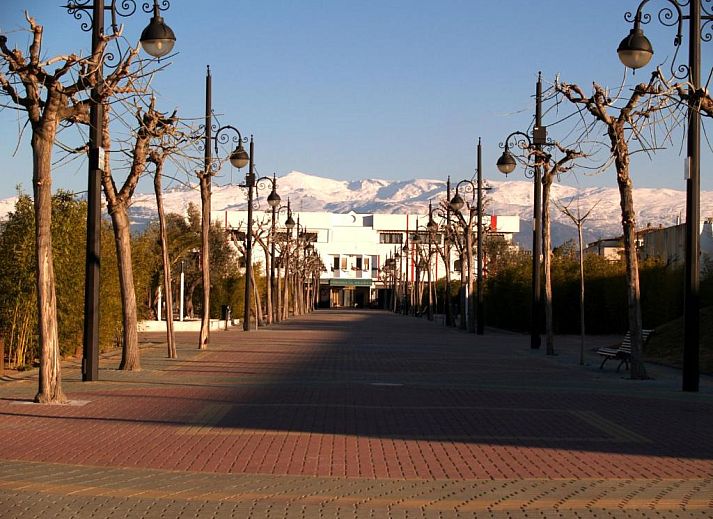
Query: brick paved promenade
point(345, 414)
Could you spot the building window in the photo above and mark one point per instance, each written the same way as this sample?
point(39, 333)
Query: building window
point(310, 237)
point(358, 262)
point(335, 263)
point(390, 237)
point(344, 264)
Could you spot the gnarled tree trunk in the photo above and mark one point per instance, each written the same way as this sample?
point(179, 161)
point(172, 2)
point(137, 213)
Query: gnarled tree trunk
point(50, 377)
point(170, 337)
point(628, 223)
point(547, 261)
point(130, 357)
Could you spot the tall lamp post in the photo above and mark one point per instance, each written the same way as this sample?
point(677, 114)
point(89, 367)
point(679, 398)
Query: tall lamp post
point(635, 51)
point(301, 246)
point(157, 39)
point(480, 305)
point(506, 164)
point(239, 158)
point(395, 267)
point(420, 265)
point(432, 228)
point(289, 225)
point(277, 296)
point(273, 200)
point(447, 252)
point(406, 295)
point(456, 204)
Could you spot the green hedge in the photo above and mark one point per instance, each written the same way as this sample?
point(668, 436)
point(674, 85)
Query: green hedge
point(508, 294)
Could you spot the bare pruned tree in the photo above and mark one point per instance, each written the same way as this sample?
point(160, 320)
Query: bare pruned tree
point(578, 219)
point(151, 126)
point(169, 144)
point(636, 113)
point(551, 168)
point(51, 93)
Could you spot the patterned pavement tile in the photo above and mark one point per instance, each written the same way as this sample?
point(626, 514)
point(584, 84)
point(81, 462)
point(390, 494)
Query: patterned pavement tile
point(358, 414)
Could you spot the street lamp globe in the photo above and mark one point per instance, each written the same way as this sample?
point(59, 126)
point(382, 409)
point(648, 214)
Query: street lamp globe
point(432, 226)
point(457, 202)
point(239, 158)
point(635, 51)
point(157, 39)
point(290, 223)
point(273, 199)
point(506, 163)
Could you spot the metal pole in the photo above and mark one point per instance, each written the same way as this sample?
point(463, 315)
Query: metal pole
point(273, 285)
point(430, 277)
point(480, 317)
point(249, 182)
point(286, 302)
point(537, 234)
point(205, 183)
point(90, 352)
point(691, 316)
point(447, 245)
point(183, 281)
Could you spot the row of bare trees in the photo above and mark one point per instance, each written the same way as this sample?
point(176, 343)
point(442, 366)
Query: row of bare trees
point(56, 94)
point(292, 268)
point(643, 116)
point(640, 118)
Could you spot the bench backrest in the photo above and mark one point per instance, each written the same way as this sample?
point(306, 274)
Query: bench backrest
point(626, 343)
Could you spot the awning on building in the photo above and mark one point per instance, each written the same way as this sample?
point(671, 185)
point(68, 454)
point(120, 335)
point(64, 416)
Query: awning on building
point(349, 282)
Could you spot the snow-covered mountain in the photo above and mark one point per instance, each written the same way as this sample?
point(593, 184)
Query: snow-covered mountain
point(312, 193)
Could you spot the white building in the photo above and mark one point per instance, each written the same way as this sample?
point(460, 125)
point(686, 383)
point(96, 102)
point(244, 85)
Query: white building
point(353, 247)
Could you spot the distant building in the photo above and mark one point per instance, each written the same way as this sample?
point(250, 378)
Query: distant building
point(353, 247)
point(611, 249)
point(669, 243)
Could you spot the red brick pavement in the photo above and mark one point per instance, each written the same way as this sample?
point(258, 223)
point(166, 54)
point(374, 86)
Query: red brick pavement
point(371, 395)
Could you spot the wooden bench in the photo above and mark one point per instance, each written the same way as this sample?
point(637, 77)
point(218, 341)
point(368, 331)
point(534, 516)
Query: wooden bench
point(623, 351)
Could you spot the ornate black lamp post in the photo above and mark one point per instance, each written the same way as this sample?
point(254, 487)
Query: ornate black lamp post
point(456, 204)
point(635, 51)
point(302, 246)
point(407, 292)
point(157, 40)
point(396, 299)
point(419, 265)
point(432, 229)
point(277, 297)
point(289, 225)
point(506, 164)
point(239, 158)
point(273, 200)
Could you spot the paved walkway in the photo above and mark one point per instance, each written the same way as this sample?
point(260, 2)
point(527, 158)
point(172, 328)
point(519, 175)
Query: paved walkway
point(359, 414)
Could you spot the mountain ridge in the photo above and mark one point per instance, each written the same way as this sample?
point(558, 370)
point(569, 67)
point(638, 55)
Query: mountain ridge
point(307, 192)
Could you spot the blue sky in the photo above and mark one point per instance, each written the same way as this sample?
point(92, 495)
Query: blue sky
point(348, 89)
